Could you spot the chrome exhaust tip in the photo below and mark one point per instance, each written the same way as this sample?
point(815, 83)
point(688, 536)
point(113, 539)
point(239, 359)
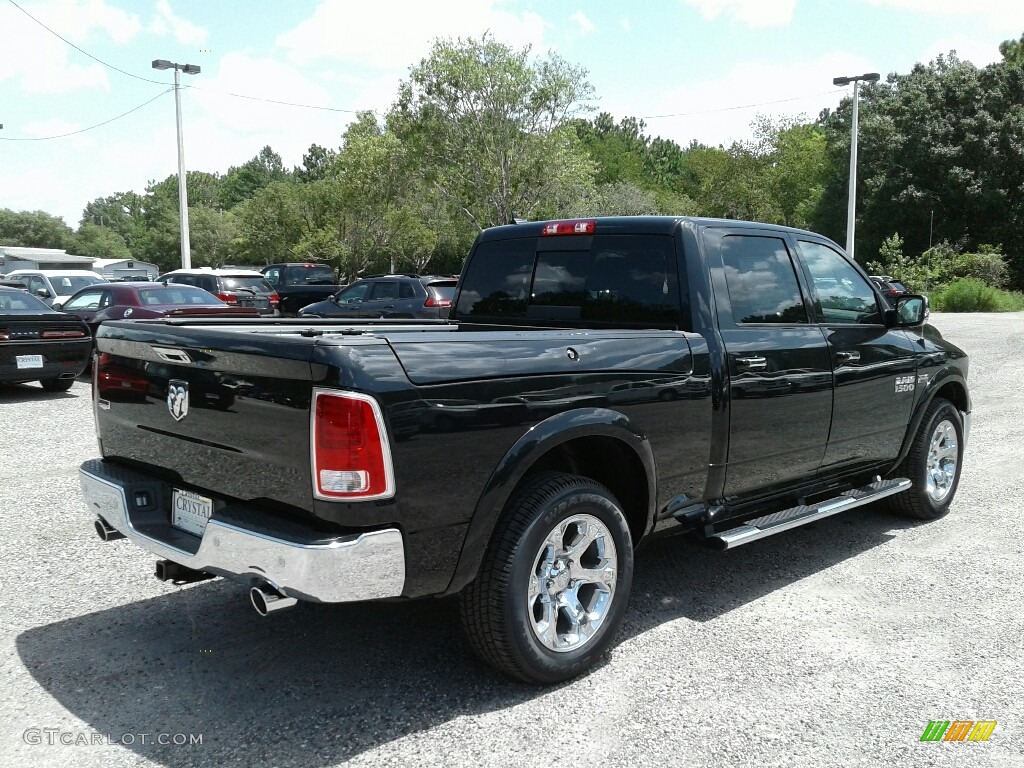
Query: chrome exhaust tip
point(105, 531)
point(267, 598)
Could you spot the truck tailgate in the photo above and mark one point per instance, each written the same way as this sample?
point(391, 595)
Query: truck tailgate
point(208, 409)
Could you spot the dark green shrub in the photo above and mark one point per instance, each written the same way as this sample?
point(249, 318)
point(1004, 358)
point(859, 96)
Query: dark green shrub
point(968, 294)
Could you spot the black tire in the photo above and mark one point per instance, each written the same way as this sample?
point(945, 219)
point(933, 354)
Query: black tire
point(497, 615)
point(56, 385)
point(918, 502)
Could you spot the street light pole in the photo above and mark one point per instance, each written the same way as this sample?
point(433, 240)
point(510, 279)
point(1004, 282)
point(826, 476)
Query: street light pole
point(189, 69)
point(851, 204)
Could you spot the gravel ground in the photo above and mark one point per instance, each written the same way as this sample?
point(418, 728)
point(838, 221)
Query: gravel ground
point(830, 645)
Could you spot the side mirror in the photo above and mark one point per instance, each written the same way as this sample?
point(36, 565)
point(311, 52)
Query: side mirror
point(911, 310)
point(42, 293)
point(333, 298)
point(57, 305)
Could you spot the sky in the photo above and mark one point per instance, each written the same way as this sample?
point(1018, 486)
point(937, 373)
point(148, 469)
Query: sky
point(691, 69)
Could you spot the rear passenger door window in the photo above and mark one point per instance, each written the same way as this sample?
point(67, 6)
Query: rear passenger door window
point(384, 290)
point(761, 280)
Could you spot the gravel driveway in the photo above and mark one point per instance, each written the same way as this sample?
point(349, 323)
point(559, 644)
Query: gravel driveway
point(830, 645)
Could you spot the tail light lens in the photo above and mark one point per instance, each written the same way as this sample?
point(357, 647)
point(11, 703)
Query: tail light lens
point(73, 334)
point(573, 227)
point(434, 302)
point(4, 334)
point(351, 456)
point(228, 298)
point(274, 299)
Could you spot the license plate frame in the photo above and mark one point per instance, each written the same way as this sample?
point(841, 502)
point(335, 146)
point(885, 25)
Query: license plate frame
point(190, 512)
point(28, 362)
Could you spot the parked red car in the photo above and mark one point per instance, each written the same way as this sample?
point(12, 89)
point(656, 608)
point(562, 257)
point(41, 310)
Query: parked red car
point(141, 300)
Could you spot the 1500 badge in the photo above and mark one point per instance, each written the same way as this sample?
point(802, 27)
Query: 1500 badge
point(905, 383)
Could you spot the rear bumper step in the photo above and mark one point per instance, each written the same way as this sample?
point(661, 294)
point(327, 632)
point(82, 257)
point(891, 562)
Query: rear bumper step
point(760, 527)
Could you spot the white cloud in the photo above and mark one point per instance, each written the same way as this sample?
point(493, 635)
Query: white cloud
point(625, 24)
point(755, 13)
point(583, 25)
point(167, 22)
point(393, 34)
point(1001, 13)
point(76, 19)
point(714, 111)
point(40, 62)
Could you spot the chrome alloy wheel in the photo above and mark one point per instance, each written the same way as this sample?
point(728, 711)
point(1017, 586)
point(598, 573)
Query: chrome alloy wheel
point(572, 583)
point(943, 453)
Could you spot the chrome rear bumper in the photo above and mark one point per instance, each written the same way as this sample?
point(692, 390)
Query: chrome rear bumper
point(359, 566)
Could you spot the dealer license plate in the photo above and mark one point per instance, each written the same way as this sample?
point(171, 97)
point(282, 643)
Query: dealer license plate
point(30, 361)
point(190, 511)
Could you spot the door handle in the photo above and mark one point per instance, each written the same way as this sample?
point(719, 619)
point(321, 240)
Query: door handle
point(847, 357)
point(756, 363)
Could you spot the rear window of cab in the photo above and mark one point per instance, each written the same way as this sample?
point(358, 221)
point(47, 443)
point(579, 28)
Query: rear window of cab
point(601, 280)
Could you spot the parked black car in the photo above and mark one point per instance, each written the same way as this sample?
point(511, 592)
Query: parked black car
point(299, 284)
point(40, 344)
point(389, 296)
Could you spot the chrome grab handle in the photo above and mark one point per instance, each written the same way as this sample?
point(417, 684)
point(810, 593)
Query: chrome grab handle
point(756, 363)
point(847, 357)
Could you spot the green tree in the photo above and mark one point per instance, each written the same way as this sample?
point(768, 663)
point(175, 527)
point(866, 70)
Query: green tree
point(101, 243)
point(315, 164)
point(242, 182)
point(272, 222)
point(940, 157)
point(123, 213)
point(34, 229)
point(490, 128)
point(212, 236)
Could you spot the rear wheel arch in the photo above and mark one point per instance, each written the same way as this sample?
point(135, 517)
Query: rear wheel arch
point(606, 449)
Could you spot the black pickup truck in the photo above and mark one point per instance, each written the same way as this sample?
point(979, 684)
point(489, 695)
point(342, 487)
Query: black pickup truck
point(299, 284)
point(600, 382)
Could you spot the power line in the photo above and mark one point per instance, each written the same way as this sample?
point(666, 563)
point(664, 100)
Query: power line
point(742, 106)
point(83, 130)
point(83, 51)
point(274, 101)
point(162, 82)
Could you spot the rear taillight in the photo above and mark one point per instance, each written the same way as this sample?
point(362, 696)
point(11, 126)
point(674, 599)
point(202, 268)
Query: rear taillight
point(432, 302)
point(228, 298)
point(274, 299)
point(5, 334)
point(75, 334)
point(351, 456)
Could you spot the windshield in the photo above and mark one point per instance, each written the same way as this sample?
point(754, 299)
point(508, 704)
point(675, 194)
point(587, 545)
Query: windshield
point(67, 284)
point(245, 282)
point(175, 295)
point(313, 274)
point(19, 302)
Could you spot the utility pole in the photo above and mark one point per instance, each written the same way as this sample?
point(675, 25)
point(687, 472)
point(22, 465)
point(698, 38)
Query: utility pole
point(851, 205)
point(188, 69)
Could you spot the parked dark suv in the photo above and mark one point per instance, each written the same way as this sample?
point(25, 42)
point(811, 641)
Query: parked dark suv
point(388, 296)
point(890, 287)
point(237, 287)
